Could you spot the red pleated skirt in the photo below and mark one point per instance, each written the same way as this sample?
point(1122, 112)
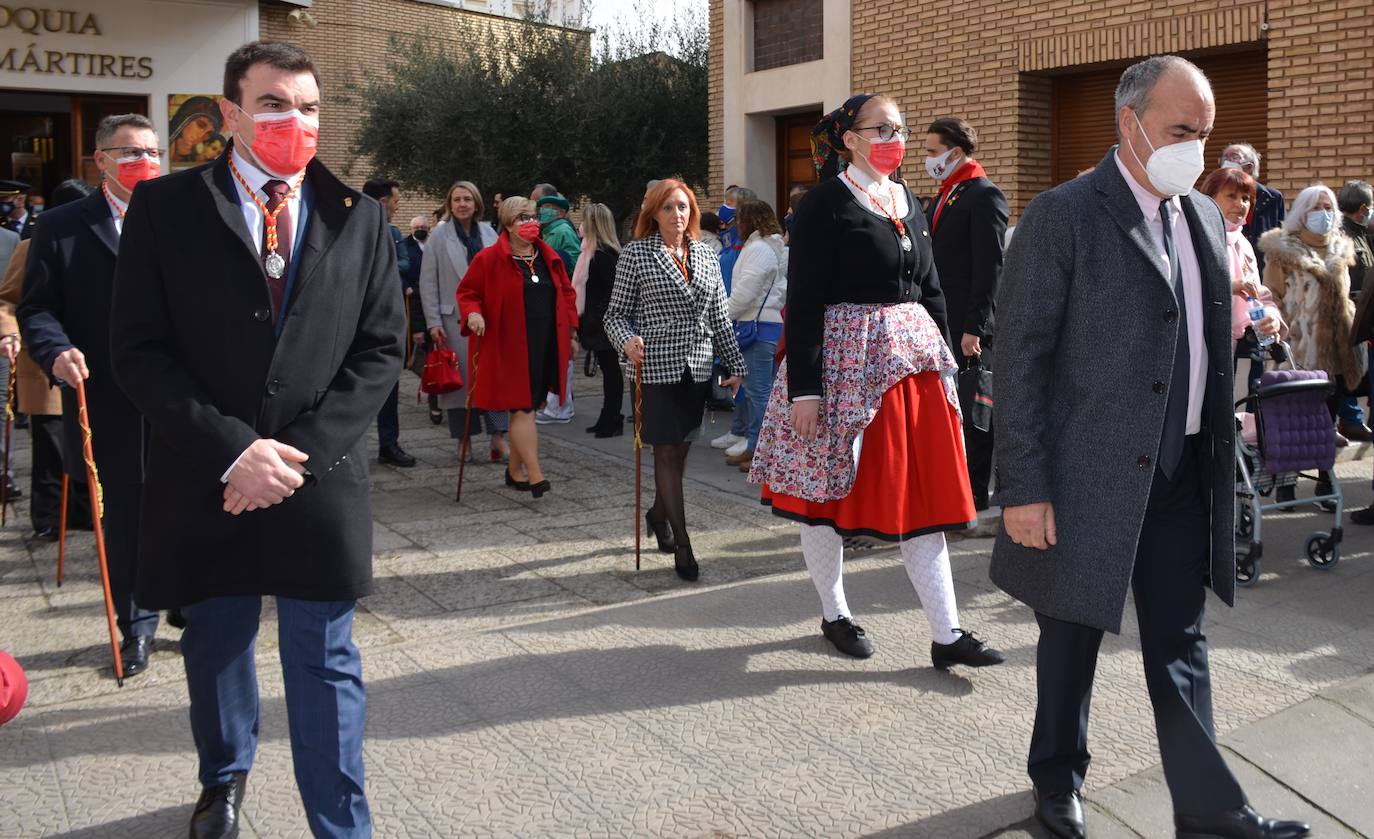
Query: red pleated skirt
point(912, 478)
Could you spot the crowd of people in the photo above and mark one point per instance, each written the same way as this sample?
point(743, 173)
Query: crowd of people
point(231, 387)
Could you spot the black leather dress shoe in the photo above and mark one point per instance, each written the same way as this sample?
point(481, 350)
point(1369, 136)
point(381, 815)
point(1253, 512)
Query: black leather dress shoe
point(966, 649)
point(847, 636)
point(133, 654)
point(15, 493)
point(396, 456)
point(176, 619)
point(217, 812)
point(49, 534)
point(1364, 517)
point(1061, 814)
point(1244, 823)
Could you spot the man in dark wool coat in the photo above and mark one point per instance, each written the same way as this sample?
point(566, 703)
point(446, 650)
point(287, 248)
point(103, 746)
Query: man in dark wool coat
point(257, 325)
point(1115, 446)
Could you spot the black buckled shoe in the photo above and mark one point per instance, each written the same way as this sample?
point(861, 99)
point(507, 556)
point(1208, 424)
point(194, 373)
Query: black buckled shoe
point(217, 811)
point(396, 456)
point(1061, 813)
point(967, 649)
point(685, 563)
point(1243, 823)
point(133, 654)
point(847, 636)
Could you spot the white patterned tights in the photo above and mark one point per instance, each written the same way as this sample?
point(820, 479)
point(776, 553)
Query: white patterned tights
point(927, 565)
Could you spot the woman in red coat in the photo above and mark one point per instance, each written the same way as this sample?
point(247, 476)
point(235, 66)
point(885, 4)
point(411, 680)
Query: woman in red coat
point(519, 311)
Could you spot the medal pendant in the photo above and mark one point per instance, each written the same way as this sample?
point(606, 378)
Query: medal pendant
point(534, 279)
point(276, 264)
point(906, 242)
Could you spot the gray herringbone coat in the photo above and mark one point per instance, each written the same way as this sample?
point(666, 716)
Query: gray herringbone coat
point(1085, 342)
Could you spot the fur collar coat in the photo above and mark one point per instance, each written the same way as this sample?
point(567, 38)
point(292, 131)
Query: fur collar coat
point(1312, 290)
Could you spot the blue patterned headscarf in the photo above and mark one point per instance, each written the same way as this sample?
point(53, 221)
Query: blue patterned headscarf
point(826, 137)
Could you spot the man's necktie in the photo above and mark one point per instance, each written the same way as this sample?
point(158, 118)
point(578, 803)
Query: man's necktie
point(276, 192)
point(1176, 410)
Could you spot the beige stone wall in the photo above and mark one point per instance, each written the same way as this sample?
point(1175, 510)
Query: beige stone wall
point(993, 67)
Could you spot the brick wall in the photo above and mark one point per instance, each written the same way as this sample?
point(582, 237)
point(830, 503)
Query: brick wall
point(992, 65)
point(351, 37)
point(787, 32)
point(715, 80)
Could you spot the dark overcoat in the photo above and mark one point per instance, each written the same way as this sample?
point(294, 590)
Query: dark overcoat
point(68, 283)
point(195, 348)
point(967, 244)
point(1087, 323)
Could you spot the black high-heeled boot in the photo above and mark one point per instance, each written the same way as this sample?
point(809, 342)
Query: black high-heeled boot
point(662, 532)
point(686, 564)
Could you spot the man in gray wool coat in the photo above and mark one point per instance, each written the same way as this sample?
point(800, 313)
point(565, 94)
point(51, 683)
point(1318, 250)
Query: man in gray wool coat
point(1115, 446)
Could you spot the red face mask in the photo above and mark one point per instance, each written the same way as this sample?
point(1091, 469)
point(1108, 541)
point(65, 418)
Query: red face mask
point(886, 157)
point(135, 169)
point(528, 230)
point(285, 142)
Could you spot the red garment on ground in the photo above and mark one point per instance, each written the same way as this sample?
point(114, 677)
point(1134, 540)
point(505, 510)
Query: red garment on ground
point(970, 170)
point(14, 688)
point(494, 286)
point(912, 476)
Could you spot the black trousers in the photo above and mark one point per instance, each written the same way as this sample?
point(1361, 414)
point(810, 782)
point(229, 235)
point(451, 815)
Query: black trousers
point(123, 505)
point(389, 419)
point(613, 384)
point(45, 480)
point(1170, 564)
point(978, 447)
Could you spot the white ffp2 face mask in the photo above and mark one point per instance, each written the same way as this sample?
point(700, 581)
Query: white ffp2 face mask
point(1172, 169)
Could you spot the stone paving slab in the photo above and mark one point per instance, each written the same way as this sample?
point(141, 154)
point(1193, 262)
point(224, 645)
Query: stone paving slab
point(525, 680)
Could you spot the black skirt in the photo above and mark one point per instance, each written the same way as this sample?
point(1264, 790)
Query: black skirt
point(541, 333)
point(672, 413)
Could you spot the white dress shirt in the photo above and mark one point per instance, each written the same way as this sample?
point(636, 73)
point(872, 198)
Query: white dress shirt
point(117, 209)
point(1192, 285)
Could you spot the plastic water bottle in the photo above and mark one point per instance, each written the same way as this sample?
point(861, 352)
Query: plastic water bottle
point(1257, 314)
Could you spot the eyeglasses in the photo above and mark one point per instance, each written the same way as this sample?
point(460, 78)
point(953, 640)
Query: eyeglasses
point(136, 152)
point(524, 217)
point(887, 132)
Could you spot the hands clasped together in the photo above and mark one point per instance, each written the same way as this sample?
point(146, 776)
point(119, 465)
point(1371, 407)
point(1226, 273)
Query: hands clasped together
point(267, 473)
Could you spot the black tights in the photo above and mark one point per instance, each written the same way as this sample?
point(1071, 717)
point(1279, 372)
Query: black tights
point(670, 460)
point(613, 384)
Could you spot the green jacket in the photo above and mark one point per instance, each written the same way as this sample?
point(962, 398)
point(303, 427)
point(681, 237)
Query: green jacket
point(402, 253)
point(560, 235)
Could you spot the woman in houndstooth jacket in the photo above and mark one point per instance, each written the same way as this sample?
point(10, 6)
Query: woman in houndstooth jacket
point(667, 315)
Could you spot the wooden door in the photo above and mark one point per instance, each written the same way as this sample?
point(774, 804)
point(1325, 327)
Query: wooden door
point(794, 155)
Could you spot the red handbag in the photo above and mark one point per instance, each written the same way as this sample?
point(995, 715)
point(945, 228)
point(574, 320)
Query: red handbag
point(441, 373)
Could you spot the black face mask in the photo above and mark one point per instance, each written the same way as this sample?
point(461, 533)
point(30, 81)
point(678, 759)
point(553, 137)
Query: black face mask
point(421, 235)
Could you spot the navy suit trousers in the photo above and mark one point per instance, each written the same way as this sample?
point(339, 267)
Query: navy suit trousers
point(1171, 562)
point(325, 701)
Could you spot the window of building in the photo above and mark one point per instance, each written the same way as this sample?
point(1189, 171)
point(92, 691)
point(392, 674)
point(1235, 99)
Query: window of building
point(787, 32)
point(1083, 127)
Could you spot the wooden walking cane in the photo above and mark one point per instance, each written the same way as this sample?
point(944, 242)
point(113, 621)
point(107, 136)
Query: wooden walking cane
point(466, 444)
point(9, 424)
point(97, 513)
point(639, 449)
point(62, 527)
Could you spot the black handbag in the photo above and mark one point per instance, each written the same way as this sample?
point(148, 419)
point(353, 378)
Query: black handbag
point(975, 394)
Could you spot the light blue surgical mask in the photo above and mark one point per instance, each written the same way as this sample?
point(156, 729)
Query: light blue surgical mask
point(1320, 221)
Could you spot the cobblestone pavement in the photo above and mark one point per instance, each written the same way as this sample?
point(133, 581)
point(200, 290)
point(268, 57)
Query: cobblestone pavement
point(525, 680)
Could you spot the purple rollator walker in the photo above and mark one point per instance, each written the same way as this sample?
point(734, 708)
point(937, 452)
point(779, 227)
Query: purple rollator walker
point(1294, 436)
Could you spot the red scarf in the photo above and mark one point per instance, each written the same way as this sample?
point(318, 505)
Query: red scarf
point(967, 172)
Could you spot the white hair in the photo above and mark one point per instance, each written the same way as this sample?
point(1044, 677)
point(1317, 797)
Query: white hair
point(1306, 200)
point(1248, 152)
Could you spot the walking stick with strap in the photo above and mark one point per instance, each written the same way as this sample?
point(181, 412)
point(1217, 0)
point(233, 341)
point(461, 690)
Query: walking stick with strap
point(9, 424)
point(98, 513)
point(639, 451)
point(62, 527)
point(466, 444)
